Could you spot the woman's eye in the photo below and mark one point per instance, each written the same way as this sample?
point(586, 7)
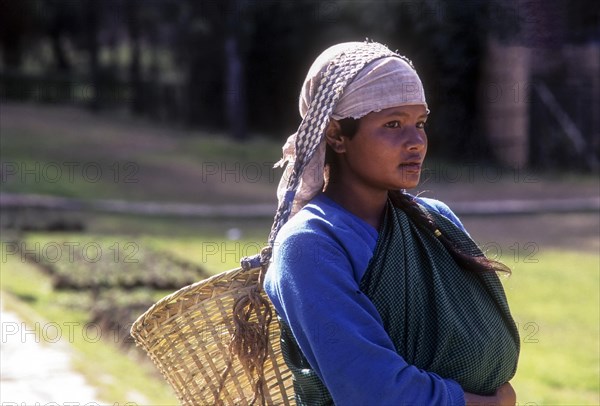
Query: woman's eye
point(421, 124)
point(393, 124)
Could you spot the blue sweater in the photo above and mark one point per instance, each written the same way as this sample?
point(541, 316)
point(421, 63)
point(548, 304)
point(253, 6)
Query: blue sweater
point(319, 259)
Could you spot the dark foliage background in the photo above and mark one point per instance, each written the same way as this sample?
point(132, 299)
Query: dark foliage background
point(239, 64)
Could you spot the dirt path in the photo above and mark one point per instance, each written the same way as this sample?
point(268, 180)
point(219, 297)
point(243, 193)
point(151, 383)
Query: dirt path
point(35, 373)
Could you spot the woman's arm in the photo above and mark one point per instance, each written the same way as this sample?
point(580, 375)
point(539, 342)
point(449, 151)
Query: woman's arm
point(340, 332)
point(504, 396)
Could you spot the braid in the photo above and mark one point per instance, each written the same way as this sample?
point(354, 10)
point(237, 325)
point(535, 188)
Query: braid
point(472, 263)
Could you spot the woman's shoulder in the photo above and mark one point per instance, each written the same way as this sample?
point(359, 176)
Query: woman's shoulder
point(323, 233)
point(440, 208)
point(322, 218)
point(433, 204)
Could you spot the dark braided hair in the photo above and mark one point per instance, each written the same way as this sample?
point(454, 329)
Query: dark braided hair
point(408, 204)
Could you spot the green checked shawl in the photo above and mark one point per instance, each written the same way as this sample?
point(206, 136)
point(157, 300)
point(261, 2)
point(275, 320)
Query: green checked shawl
point(441, 318)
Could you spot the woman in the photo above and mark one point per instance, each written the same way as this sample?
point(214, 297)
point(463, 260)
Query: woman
point(383, 298)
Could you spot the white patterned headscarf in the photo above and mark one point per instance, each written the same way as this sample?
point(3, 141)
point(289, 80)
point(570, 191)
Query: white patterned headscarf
point(350, 79)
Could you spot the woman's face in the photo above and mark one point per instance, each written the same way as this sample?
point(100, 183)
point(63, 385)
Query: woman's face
point(388, 149)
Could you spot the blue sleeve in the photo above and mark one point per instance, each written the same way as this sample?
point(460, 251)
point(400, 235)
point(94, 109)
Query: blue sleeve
point(339, 330)
point(442, 209)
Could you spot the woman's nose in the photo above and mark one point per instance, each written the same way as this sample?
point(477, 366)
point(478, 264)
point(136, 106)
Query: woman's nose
point(416, 139)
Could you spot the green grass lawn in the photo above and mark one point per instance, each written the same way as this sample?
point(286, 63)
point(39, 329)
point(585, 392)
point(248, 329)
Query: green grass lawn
point(556, 302)
point(215, 254)
point(73, 153)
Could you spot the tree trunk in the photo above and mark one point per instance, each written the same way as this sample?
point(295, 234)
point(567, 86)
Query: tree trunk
point(583, 80)
point(505, 94)
point(234, 90)
point(92, 10)
point(133, 28)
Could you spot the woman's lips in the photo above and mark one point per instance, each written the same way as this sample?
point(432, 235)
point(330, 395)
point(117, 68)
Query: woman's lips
point(411, 166)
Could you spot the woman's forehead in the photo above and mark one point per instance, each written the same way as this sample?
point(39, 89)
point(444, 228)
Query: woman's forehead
point(412, 110)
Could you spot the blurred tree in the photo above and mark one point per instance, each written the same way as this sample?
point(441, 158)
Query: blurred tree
point(565, 37)
point(235, 98)
point(92, 17)
point(135, 74)
point(505, 84)
point(17, 21)
point(199, 47)
point(238, 64)
point(56, 29)
point(283, 40)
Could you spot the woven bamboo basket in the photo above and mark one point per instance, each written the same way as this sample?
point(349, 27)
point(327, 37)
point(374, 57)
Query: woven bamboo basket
point(187, 336)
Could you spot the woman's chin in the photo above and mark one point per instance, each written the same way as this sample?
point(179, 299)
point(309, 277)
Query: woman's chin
point(408, 184)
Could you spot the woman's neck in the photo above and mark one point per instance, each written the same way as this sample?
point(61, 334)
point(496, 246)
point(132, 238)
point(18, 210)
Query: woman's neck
point(364, 202)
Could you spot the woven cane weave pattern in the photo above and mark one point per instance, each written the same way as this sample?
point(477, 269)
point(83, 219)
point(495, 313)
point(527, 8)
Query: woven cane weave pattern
point(187, 336)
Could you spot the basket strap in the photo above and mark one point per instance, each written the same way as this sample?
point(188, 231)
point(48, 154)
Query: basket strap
point(252, 262)
point(338, 74)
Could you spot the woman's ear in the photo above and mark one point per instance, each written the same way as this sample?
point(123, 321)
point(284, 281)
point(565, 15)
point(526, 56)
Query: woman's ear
point(334, 137)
